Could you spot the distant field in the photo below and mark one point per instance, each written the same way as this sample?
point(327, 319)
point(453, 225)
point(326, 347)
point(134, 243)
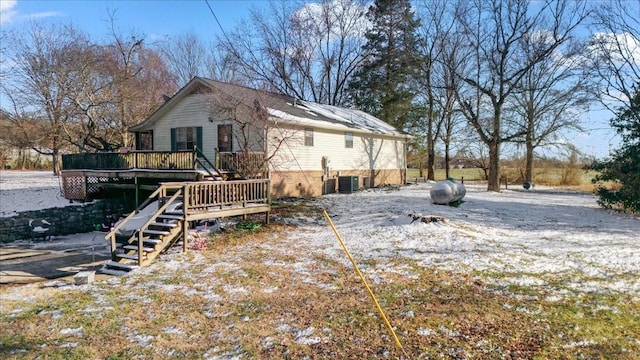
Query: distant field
point(471, 174)
point(577, 178)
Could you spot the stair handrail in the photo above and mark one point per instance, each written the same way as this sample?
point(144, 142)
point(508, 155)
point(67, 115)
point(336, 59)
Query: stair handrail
point(198, 159)
point(151, 219)
point(111, 235)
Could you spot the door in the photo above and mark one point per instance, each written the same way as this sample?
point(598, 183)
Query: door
point(224, 138)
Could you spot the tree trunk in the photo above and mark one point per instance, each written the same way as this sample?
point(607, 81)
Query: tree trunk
point(494, 166)
point(447, 160)
point(431, 160)
point(430, 146)
point(56, 161)
point(528, 172)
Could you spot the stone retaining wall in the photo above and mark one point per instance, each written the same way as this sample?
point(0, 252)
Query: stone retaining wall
point(65, 220)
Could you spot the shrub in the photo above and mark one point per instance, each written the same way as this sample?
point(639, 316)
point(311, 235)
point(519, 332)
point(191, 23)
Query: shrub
point(622, 168)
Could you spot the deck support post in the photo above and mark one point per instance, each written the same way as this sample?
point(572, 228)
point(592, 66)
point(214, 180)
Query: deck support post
point(185, 235)
point(135, 180)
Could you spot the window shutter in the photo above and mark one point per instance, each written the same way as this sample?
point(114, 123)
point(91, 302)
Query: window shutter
point(138, 142)
point(173, 139)
point(199, 138)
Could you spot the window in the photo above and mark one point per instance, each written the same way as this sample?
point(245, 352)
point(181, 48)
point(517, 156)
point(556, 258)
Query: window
point(348, 140)
point(308, 137)
point(224, 138)
point(144, 140)
point(186, 138)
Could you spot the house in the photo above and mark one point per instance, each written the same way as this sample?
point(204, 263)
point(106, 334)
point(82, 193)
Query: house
point(306, 148)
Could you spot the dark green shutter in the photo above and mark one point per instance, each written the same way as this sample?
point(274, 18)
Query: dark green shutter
point(173, 139)
point(138, 143)
point(199, 137)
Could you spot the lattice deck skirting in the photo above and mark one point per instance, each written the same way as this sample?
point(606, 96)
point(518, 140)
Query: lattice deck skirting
point(74, 187)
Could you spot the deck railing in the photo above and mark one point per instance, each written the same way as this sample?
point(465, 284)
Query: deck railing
point(245, 163)
point(221, 194)
point(240, 162)
point(153, 160)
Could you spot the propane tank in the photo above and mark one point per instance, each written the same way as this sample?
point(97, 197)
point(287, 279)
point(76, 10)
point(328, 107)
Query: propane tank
point(447, 192)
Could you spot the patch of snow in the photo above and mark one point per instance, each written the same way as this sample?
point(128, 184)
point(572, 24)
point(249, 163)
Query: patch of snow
point(74, 332)
point(141, 339)
point(68, 345)
point(426, 332)
point(304, 337)
point(542, 233)
point(581, 343)
point(173, 330)
point(29, 190)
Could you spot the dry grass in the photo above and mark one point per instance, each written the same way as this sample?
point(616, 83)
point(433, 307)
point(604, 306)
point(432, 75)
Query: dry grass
point(567, 177)
point(256, 294)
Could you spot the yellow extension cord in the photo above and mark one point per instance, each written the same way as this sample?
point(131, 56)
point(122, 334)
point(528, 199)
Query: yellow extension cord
point(364, 281)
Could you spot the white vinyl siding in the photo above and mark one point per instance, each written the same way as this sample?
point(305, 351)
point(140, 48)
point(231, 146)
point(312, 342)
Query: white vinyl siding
point(292, 155)
point(388, 152)
point(190, 112)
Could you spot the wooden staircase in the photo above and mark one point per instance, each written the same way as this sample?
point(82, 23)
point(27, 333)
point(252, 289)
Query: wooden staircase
point(163, 218)
point(158, 233)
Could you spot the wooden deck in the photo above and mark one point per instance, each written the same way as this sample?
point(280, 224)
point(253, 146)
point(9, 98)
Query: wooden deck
point(86, 176)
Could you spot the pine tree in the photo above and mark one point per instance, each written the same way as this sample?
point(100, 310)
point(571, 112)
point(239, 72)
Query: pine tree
point(385, 85)
point(623, 166)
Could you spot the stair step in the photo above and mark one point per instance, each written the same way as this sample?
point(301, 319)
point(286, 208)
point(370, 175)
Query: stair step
point(135, 247)
point(169, 216)
point(153, 241)
point(131, 256)
point(156, 232)
point(173, 213)
point(161, 224)
point(114, 272)
point(120, 265)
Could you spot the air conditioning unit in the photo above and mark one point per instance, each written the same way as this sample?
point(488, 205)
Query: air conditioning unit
point(347, 184)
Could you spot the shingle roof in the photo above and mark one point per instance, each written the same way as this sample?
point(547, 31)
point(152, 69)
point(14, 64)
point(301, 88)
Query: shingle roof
point(282, 108)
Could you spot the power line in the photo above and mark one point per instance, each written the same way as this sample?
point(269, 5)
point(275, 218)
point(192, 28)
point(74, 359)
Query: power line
point(217, 21)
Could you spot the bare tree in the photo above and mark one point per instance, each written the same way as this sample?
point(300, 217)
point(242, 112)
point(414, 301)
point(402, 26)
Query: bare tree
point(246, 111)
point(186, 57)
point(305, 51)
point(450, 117)
point(140, 79)
point(495, 32)
point(441, 43)
point(45, 72)
point(614, 51)
point(552, 95)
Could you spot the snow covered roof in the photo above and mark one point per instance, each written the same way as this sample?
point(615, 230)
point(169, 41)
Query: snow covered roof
point(281, 109)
